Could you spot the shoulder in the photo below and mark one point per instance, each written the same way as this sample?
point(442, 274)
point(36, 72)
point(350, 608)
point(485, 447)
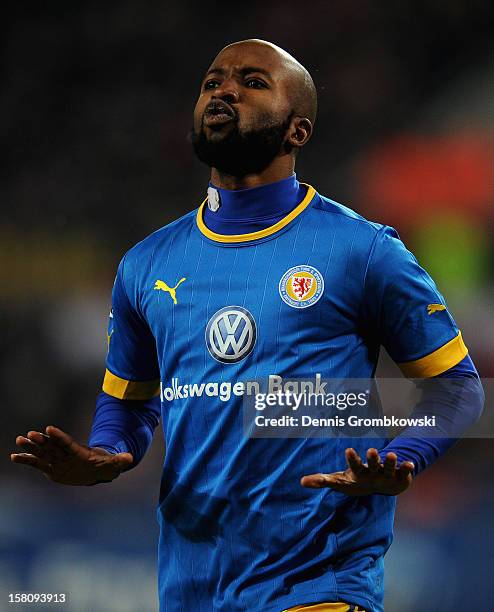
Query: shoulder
point(161, 238)
point(351, 223)
point(344, 213)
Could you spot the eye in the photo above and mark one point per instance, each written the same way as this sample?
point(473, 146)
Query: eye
point(253, 83)
point(211, 84)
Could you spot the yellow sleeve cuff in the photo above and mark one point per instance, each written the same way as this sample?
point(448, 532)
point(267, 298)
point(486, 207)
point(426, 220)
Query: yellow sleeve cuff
point(437, 362)
point(129, 389)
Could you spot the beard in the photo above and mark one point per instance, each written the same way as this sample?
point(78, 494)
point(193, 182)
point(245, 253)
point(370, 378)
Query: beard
point(241, 152)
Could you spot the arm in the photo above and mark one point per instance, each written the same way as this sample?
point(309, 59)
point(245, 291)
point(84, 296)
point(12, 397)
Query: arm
point(124, 426)
point(390, 471)
point(425, 342)
point(455, 406)
point(127, 411)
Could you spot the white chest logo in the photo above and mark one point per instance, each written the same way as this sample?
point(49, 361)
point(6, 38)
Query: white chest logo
point(231, 334)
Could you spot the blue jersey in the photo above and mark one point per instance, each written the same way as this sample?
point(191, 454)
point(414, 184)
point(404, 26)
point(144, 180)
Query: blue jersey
point(196, 316)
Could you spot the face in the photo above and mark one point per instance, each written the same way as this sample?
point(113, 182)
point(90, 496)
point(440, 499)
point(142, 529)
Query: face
point(243, 112)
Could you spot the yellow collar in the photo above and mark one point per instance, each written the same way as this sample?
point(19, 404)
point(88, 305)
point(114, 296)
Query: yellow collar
point(261, 233)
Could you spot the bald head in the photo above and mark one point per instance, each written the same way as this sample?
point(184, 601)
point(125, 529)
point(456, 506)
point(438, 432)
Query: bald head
point(300, 86)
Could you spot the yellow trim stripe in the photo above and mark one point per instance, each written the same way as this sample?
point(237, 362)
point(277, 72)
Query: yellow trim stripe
point(322, 607)
point(129, 389)
point(437, 362)
point(311, 192)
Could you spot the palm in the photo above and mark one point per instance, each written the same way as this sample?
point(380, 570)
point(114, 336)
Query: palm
point(84, 466)
point(385, 478)
point(65, 461)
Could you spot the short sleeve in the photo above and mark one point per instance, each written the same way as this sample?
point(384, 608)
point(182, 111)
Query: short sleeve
point(132, 370)
point(406, 312)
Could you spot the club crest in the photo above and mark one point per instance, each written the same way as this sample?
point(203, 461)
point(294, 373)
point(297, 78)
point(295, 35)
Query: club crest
point(301, 286)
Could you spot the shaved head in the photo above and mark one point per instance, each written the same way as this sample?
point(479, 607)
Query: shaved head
point(303, 91)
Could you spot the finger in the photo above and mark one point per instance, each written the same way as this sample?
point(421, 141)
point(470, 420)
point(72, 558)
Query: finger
point(354, 461)
point(373, 460)
point(37, 437)
point(51, 450)
point(342, 482)
point(46, 450)
point(405, 469)
point(315, 481)
point(123, 460)
point(24, 442)
point(62, 440)
point(32, 461)
point(389, 465)
point(30, 447)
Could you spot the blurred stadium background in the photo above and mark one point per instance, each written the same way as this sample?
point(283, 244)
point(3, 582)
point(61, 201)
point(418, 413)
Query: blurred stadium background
point(95, 106)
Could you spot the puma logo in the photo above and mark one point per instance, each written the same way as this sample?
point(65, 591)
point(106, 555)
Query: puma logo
point(161, 285)
point(431, 308)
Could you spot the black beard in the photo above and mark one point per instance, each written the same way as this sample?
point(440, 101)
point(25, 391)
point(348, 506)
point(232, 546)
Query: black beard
point(240, 153)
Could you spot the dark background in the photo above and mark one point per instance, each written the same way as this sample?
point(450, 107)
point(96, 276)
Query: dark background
point(96, 104)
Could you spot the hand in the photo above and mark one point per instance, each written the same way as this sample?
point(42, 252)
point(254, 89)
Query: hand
point(365, 479)
point(63, 460)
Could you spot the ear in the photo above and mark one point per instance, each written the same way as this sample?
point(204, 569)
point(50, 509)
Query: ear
point(299, 132)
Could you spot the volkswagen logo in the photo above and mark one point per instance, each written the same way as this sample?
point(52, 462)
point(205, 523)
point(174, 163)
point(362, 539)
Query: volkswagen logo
point(231, 334)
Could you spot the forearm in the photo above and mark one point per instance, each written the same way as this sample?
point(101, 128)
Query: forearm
point(124, 426)
point(456, 405)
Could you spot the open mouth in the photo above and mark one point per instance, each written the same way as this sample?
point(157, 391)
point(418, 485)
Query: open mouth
point(218, 112)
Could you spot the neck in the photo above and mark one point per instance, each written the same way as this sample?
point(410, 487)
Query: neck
point(279, 169)
point(241, 211)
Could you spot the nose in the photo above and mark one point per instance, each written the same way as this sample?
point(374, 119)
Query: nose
point(227, 91)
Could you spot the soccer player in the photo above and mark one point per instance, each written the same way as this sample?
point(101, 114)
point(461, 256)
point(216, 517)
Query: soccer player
point(266, 278)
